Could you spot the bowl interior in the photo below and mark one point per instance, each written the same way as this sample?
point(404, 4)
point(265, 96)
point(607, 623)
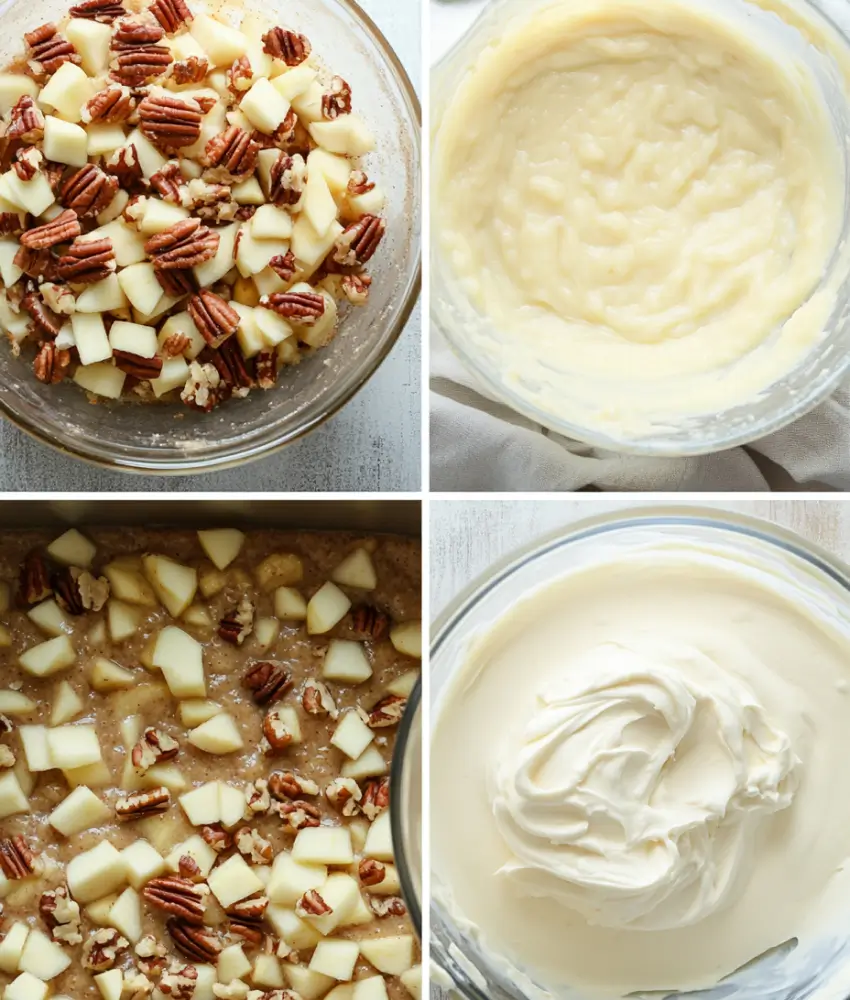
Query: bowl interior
point(173, 438)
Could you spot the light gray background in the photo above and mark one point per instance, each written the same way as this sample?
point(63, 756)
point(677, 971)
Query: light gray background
point(373, 444)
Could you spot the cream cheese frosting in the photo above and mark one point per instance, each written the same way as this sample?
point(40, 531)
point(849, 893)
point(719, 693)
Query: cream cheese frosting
point(647, 760)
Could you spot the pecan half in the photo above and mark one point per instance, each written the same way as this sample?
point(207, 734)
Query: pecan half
point(177, 283)
point(317, 699)
point(246, 919)
point(141, 804)
point(26, 121)
point(300, 307)
point(267, 681)
point(51, 365)
point(36, 263)
point(169, 122)
point(168, 181)
point(376, 797)
point(237, 624)
point(12, 223)
point(185, 244)
point(44, 319)
point(284, 785)
point(252, 845)
point(65, 227)
point(98, 10)
point(197, 943)
point(189, 869)
point(289, 46)
point(136, 56)
point(34, 581)
point(284, 265)
point(171, 14)
point(287, 179)
point(87, 261)
point(388, 906)
point(344, 794)
point(78, 591)
point(191, 70)
point(178, 896)
point(100, 952)
point(48, 49)
point(229, 362)
point(16, 858)
point(372, 872)
point(109, 107)
point(387, 712)
point(299, 815)
point(312, 904)
point(88, 191)
point(177, 343)
point(179, 982)
point(358, 243)
point(337, 101)
point(277, 735)
point(154, 747)
point(124, 164)
point(355, 287)
point(231, 155)
point(61, 915)
point(370, 623)
point(265, 369)
point(143, 369)
point(215, 319)
point(217, 837)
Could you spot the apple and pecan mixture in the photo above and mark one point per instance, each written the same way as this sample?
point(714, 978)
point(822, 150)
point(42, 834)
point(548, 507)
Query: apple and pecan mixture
point(183, 203)
point(194, 764)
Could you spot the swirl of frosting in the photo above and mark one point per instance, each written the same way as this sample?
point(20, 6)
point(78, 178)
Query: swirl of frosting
point(636, 794)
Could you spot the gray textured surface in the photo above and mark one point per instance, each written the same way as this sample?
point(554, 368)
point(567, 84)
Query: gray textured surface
point(373, 444)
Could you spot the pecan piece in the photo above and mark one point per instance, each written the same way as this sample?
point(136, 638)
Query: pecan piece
point(300, 307)
point(246, 919)
point(267, 681)
point(138, 805)
point(12, 223)
point(27, 163)
point(177, 283)
point(389, 906)
point(265, 369)
point(253, 846)
point(289, 46)
point(78, 591)
point(237, 624)
point(168, 181)
point(231, 155)
point(178, 896)
point(169, 122)
point(48, 49)
point(299, 814)
point(376, 797)
point(35, 263)
point(344, 794)
point(137, 57)
point(7, 758)
point(44, 319)
point(277, 735)
point(100, 952)
point(312, 904)
point(61, 915)
point(177, 343)
point(124, 165)
point(88, 191)
point(203, 389)
point(152, 955)
point(62, 229)
point(337, 101)
point(26, 121)
point(183, 245)
point(257, 798)
point(285, 785)
point(143, 369)
point(109, 107)
point(217, 837)
point(179, 982)
point(358, 243)
point(98, 10)
point(191, 70)
point(154, 747)
point(171, 14)
point(87, 261)
point(51, 365)
point(189, 869)
point(372, 872)
point(387, 712)
point(229, 362)
point(317, 699)
point(34, 584)
point(355, 287)
point(284, 265)
point(197, 943)
point(239, 76)
point(215, 319)
point(287, 179)
point(359, 183)
point(370, 623)
point(17, 860)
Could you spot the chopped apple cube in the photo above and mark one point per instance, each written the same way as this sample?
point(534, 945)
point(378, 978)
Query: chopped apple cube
point(102, 379)
point(222, 545)
point(12, 946)
point(309, 247)
point(264, 106)
point(98, 911)
point(150, 158)
point(15, 703)
point(406, 637)
point(26, 987)
point(352, 735)
point(36, 748)
point(291, 879)
point(129, 248)
point(135, 338)
point(194, 711)
point(166, 775)
point(248, 192)
point(34, 196)
point(231, 803)
point(266, 631)
point(124, 620)
point(218, 735)
point(335, 169)
point(295, 81)
point(142, 862)
point(158, 215)
point(183, 323)
point(308, 984)
point(174, 373)
point(342, 894)
point(323, 845)
point(390, 886)
point(373, 988)
point(180, 658)
point(175, 584)
point(289, 604)
point(273, 328)
point(335, 958)
point(232, 964)
point(370, 764)
point(356, 570)
point(281, 569)
point(49, 618)
point(96, 873)
point(379, 841)
point(308, 104)
point(91, 39)
point(233, 880)
point(48, 657)
point(271, 223)
point(221, 43)
point(390, 955)
point(110, 984)
point(90, 337)
point(197, 849)
point(291, 928)
point(66, 704)
point(267, 972)
point(403, 685)
point(346, 662)
point(412, 981)
point(318, 203)
point(129, 585)
point(81, 810)
point(65, 142)
point(214, 269)
point(73, 746)
point(139, 284)
point(94, 775)
point(107, 675)
point(342, 991)
point(125, 915)
point(326, 608)
point(68, 91)
point(14, 86)
point(72, 549)
point(347, 135)
point(202, 804)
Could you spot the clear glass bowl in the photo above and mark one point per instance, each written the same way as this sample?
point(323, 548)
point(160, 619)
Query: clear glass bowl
point(173, 438)
point(406, 806)
point(460, 954)
point(471, 336)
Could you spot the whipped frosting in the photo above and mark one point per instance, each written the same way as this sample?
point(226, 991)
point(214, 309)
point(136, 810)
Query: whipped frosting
point(647, 760)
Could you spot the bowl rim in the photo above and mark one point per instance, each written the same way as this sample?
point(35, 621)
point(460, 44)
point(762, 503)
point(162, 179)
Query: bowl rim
point(195, 465)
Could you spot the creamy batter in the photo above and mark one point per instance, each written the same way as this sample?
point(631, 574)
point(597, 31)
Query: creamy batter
point(648, 761)
point(641, 198)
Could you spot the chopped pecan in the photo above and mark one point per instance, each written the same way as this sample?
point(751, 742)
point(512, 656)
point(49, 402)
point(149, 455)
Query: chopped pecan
point(253, 846)
point(289, 46)
point(265, 369)
point(175, 345)
point(100, 952)
point(34, 585)
point(387, 712)
point(98, 10)
point(359, 183)
point(376, 797)
point(211, 201)
point(171, 14)
point(78, 591)
point(189, 869)
point(257, 798)
point(124, 165)
point(179, 982)
point(358, 243)
point(154, 747)
point(88, 191)
point(191, 70)
point(138, 805)
point(344, 794)
point(231, 366)
point(355, 287)
point(203, 390)
point(36, 263)
point(237, 624)
point(27, 163)
point(185, 244)
point(17, 860)
point(215, 319)
point(62, 229)
point(284, 135)
point(109, 107)
point(240, 75)
point(388, 906)
point(169, 122)
point(58, 298)
point(370, 623)
point(285, 785)
point(317, 699)
point(61, 915)
point(136, 986)
point(177, 283)
point(168, 181)
point(87, 261)
point(312, 904)
point(299, 814)
point(12, 223)
point(48, 50)
point(151, 954)
point(26, 121)
point(197, 943)
point(231, 155)
point(300, 307)
point(337, 101)
point(284, 265)
point(246, 919)
point(287, 179)
point(51, 365)
point(6, 725)
point(7, 757)
point(144, 369)
point(277, 735)
point(137, 58)
point(44, 319)
point(178, 896)
point(372, 872)
point(267, 681)
point(217, 837)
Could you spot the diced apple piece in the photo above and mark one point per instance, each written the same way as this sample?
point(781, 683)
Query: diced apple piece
point(291, 928)
point(12, 946)
point(370, 764)
point(90, 337)
point(273, 328)
point(142, 862)
point(251, 341)
point(326, 608)
point(359, 916)
point(323, 330)
point(232, 964)
point(253, 255)
point(175, 585)
point(129, 248)
point(103, 296)
point(93, 775)
point(323, 845)
point(346, 662)
point(129, 585)
point(356, 570)
point(73, 746)
point(342, 894)
point(218, 735)
point(125, 915)
point(36, 748)
point(96, 873)
point(231, 803)
point(347, 135)
point(15, 703)
point(81, 810)
point(390, 886)
point(248, 192)
point(197, 849)
point(49, 618)
point(308, 984)
point(279, 569)
point(91, 39)
point(379, 842)
point(135, 338)
point(264, 106)
point(342, 991)
point(335, 169)
point(294, 82)
point(72, 549)
point(214, 269)
point(309, 247)
point(64, 142)
point(371, 202)
point(102, 379)
point(141, 287)
point(271, 223)
point(291, 879)
point(124, 620)
point(103, 140)
point(289, 604)
point(406, 637)
point(183, 323)
point(67, 91)
point(26, 987)
point(98, 911)
point(373, 988)
point(412, 981)
point(222, 545)
point(267, 972)
point(308, 104)
point(403, 685)
point(66, 704)
point(195, 711)
point(150, 158)
point(201, 805)
point(14, 86)
point(221, 43)
point(266, 631)
point(174, 373)
point(34, 196)
point(335, 958)
point(352, 735)
point(107, 675)
point(158, 215)
point(318, 203)
point(168, 776)
point(233, 880)
point(203, 984)
point(180, 658)
point(48, 657)
point(110, 984)
point(390, 955)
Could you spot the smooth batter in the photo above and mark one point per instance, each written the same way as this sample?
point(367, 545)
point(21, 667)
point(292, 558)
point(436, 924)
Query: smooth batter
point(641, 198)
point(648, 761)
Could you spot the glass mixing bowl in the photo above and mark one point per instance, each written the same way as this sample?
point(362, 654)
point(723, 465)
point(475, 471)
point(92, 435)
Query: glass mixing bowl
point(459, 953)
point(472, 337)
point(175, 439)
point(406, 806)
